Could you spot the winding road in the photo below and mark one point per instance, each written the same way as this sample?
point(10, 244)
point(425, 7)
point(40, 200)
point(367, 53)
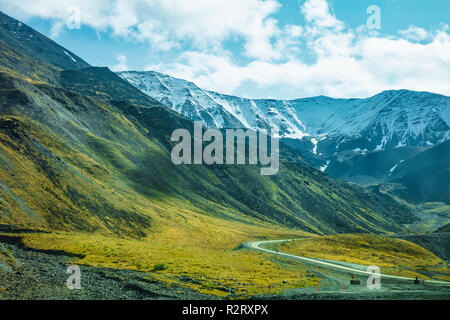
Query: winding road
point(334, 265)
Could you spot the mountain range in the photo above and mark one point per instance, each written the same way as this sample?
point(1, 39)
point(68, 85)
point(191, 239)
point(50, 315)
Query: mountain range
point(358, 140)
point(83, 149)
point(390, 119)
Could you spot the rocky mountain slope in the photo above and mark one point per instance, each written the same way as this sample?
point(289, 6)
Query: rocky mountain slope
point(29, 41)
point(83, 151)
point(427, 175)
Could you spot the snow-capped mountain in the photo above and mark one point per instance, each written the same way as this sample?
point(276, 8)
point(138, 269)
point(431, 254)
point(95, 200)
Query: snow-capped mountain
point(217, 110)
point(388, 120)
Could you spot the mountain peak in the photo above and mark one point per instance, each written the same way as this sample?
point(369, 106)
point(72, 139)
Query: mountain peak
point(19, 35)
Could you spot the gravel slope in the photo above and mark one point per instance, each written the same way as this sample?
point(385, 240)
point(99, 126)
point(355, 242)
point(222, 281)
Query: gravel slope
point(42, 276)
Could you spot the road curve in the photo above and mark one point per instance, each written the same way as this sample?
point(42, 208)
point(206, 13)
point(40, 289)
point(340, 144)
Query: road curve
point(258, 245)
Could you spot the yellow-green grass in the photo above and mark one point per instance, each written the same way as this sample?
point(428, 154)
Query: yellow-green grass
point(205, 249)
point(393, 256)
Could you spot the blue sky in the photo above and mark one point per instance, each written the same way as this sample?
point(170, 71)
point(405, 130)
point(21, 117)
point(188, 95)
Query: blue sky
point(259, 48)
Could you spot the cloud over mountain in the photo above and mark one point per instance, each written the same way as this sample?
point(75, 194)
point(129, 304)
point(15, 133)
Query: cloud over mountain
point(242, 47)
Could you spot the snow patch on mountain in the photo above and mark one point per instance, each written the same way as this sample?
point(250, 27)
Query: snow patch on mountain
point(323, 168)
point(73, 59)
point(391, 170)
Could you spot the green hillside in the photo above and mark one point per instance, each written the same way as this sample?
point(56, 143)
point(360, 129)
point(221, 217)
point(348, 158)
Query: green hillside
point(86, 157)
point(90, 152)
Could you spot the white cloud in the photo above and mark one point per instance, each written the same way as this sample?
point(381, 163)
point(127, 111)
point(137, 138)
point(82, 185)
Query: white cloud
point(56, 29)
point(121, 64)
point(415, 33)
point(346, 63)
point(324, 56)
point(317, 12)
point(167, 24)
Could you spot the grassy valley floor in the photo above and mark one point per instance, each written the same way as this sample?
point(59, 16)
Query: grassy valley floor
point(200, 263)
point(206, 259)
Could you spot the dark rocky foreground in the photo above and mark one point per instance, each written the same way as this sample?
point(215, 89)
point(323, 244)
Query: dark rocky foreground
point(35, 275)
point(29, 274)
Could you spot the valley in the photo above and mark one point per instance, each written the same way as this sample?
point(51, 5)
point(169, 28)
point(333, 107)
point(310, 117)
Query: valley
point(86, 178)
